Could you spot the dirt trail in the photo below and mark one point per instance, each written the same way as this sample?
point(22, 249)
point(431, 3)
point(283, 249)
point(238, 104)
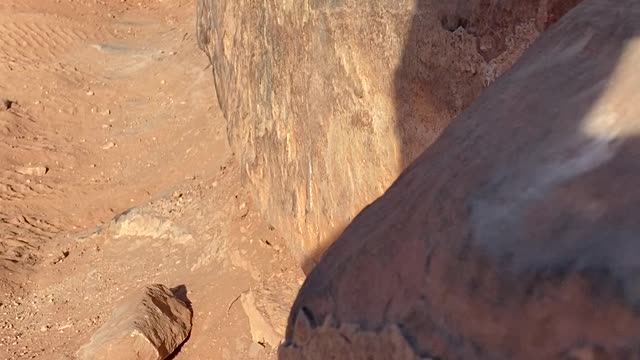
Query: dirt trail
point(116, 103)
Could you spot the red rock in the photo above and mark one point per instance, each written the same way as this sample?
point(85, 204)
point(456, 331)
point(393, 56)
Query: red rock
point(515, 235)
point(147, 325)
point(328, 101)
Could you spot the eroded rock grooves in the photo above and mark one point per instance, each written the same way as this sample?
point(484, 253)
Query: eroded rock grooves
point(513, 235)
point(327, 101)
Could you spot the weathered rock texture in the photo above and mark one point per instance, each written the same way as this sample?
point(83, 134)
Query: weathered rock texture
point(148, 325)
point(347, 342)
point(327, 100)
point(136, 222)
point(515, 235)
point(264, 330)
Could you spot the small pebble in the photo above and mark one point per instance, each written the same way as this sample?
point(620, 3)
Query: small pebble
point(5, 104)
point(108, 145)
point(33, 170)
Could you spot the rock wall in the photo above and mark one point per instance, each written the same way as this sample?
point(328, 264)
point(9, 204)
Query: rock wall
point(328, 100)
point(514, 235)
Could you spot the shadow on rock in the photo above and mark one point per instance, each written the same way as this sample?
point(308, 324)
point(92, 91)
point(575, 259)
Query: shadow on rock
point(180, 292)
point(513, 235)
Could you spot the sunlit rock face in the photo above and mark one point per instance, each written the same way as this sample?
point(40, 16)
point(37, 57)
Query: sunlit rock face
point(327, 101)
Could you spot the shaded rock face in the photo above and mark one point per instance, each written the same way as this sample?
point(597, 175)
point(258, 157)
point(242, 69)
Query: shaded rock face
point(328, 100)
point(514, 235)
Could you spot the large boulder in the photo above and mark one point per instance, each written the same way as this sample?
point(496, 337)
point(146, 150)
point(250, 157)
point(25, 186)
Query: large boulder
point(328, 100)
point(514, 236)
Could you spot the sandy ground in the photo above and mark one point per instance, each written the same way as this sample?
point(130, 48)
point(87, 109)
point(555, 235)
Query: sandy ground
point(113, 100)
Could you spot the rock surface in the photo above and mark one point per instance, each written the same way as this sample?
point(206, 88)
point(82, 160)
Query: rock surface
point(267, 308)
point(262, 329)
point(349, 342)
point(136, 222)
point(514, 236)
point(5, 104)
point(148, 325)
point(32, 170)
point(327, 101)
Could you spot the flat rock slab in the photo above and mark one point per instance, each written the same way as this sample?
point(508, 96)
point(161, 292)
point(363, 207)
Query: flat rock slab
point(136, 222)
point(147, 325)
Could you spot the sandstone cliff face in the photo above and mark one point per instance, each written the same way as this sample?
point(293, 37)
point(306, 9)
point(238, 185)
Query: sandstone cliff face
point(514, 236)
point(328, 100)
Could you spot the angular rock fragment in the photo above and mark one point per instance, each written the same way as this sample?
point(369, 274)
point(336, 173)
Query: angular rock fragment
point(5, 104)
point(147, 325)
point(33, 170)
